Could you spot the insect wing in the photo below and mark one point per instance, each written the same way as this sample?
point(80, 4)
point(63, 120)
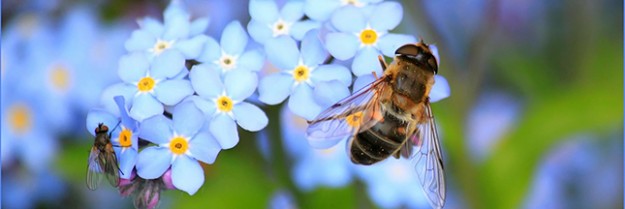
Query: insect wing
point(428, 160)
point(94, 169)
point(345, 118)
point(111, 168)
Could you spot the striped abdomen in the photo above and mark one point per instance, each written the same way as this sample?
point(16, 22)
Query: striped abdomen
point(380, 141)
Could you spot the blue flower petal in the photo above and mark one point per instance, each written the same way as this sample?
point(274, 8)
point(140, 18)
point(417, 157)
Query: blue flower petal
point(342, 45)
point(145, 106)
point(127, 121)
point(170, 92)
point(177, 27)
point(259, 32)
point(282, 52)
point(119, 89)
point(240, 84)
point(140, 40)
point(349, 19)
point(300, 28)
point(187, 174)
point(38, 151)
point(211, 51)
point(168, 64)
point(175, 9)
point(366, 62)
point(133, 67)
point(252, 60)
point(386, 16)
point(321, 10)
point(313, 52)
point(274, 88)
point(152, 162)
point(292, 11)
point(390, 42)
point(249, 116)
point(328, 93)
point(434, 51)
point(157, 129)
point(187, 119)
point(206, 106)
point(265, 12)
point(234, 38)
point(199, 25)
point(96, 116)
point(440, 90)
point(302, 102)
point(224, 130)
point(362, 81)
point(152, 25)
point(191, 48)
point(204, 147)
point(332, 72)
point(206, 81)
point(127, 160)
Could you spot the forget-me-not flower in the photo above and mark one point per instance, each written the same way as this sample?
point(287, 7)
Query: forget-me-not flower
point(223, 102)
point(231, 54)
point(321, 10)
point(177, 34)
point(149, 86)
point(364, 36)
point(312, 86)
point(181, 142)
point(269, 22)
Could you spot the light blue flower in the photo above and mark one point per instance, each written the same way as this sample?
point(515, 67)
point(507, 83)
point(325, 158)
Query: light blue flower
point(124, 134)
point(321, 10)
point(149, 86)
point(31, 189)
point(223, 102)
point(364, 36)
point(178, 34)
point(313, 167)
point(393, 183)
point(269, 22)
point(180, 143)
point(312, 86)
point(231, 54)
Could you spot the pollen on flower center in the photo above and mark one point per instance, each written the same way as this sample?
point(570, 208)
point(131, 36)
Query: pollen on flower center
point(224, 104)
point(19, 117)
point(178, 145)
point(146, 84)
point(301, 73)
point(354, 119)
point(353, 2)
point(368, 37)
point(160, 46)
point(227, 62)
point(124, 137)
point(281, 27)
point(59, 77)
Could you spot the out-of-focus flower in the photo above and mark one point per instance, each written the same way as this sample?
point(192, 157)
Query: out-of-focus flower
point(492, 116)
point(180, 143)
point(223, 102)
point(312, 86)
point(23, 190)
point(313, 167)
point(178, 35)
point(150, 86)
point(282, 199)
point(231, 55)
point(321, 10)
point(393, 183)
point(365, 35)
point(580, 173)
point(267, 22)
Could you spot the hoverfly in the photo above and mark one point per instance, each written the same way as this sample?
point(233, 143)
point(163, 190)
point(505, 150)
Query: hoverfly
point(389, 117)
point(102, 159)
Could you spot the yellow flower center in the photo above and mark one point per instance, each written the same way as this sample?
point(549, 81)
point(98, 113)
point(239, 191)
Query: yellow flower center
point(19, 117)
point(227, 62)
point(146, 84)
point(124, 137)
point(368, 37)
point(301, 73)
point(353, 2)
point(280, 27)
point(160, 46)
point(178, 145)
point(354, 119)
point(59, 77)
point(224, 104)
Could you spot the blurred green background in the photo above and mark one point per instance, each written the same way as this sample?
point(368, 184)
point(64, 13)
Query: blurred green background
point(558, 63)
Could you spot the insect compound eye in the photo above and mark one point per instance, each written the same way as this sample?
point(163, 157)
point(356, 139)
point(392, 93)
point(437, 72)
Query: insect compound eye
point(409, 50)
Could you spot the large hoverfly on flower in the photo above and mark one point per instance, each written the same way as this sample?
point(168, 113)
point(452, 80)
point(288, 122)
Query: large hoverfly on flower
point(391, 117)
point(102, 159)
